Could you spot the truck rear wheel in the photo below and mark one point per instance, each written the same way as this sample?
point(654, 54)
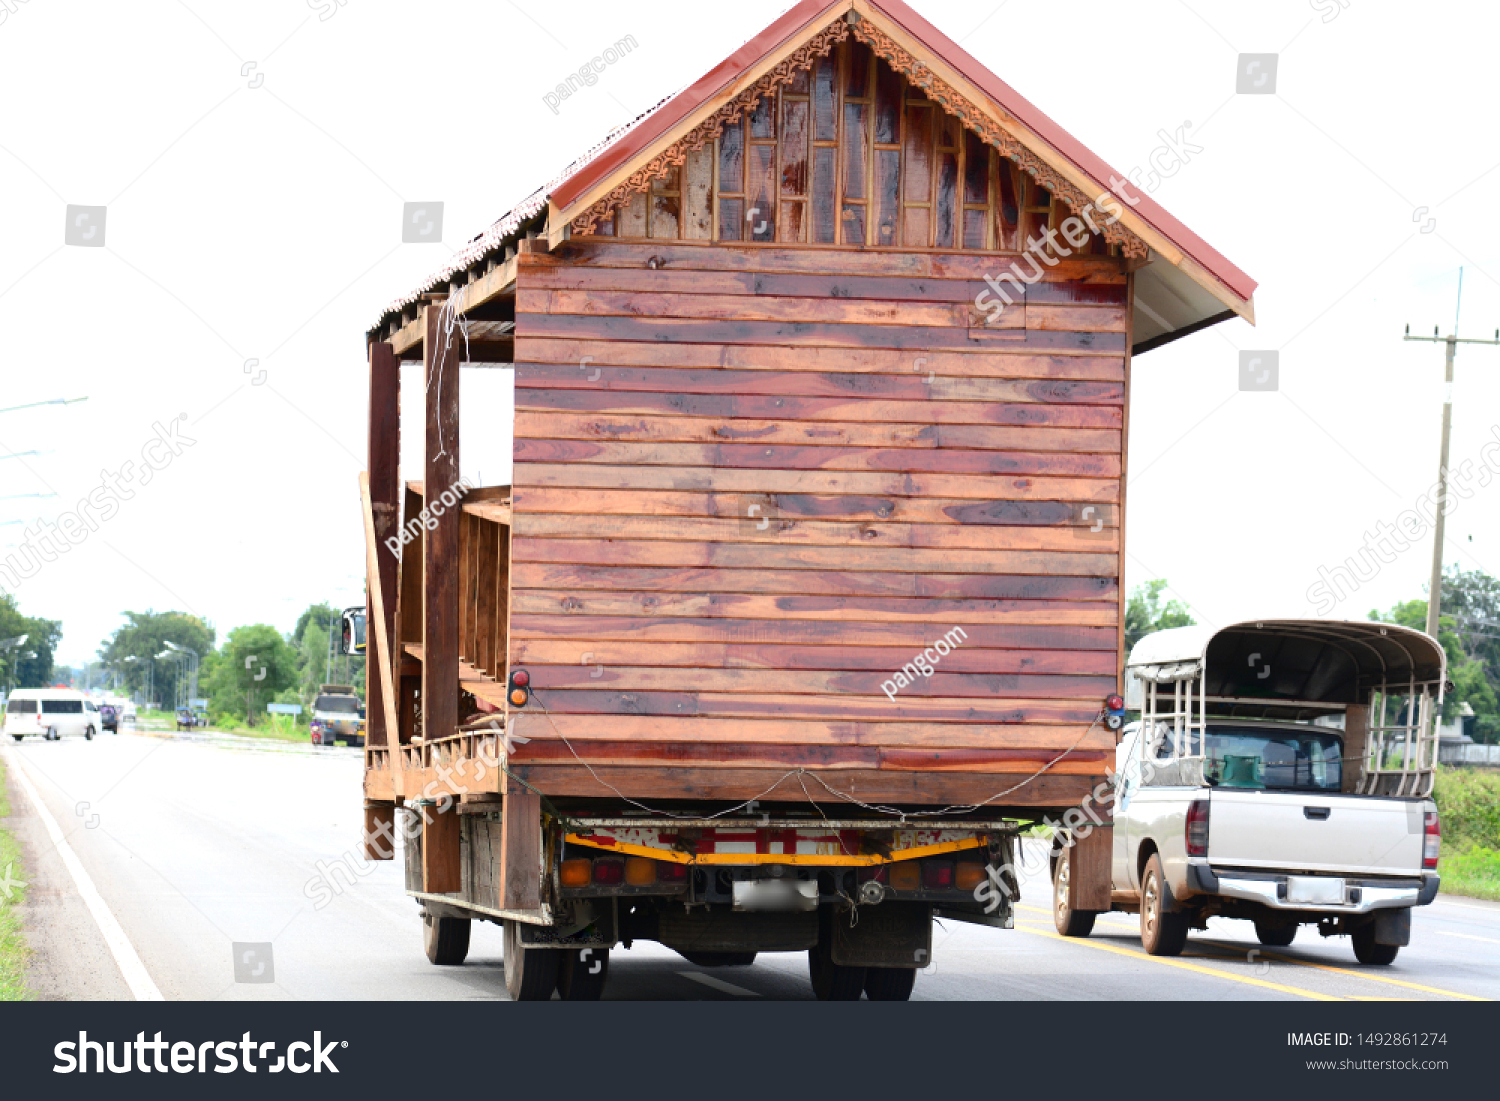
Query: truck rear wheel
point(1163, 933)
point(834, 982)
point(582, 973)
point(1069, 922)
point(1367, 951)
point(445, 939)
point(530, 973)
point(890, 984)
point(1275, 936)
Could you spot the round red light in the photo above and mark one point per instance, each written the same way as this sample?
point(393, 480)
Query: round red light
point(520, 678)
point(1114, 703)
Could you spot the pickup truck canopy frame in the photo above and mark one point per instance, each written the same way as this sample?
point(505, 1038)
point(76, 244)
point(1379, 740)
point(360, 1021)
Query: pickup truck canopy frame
point(1388, 682)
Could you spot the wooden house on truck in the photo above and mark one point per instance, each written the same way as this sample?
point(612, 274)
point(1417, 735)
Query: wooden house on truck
point(806, 596)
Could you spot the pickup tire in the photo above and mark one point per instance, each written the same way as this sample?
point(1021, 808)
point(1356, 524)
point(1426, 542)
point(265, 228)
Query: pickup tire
point(582, 973)
point(88, 734)
point(890, 984)
point(1069, 922)
point(1366, 951)
point(530, 973)
point(18, 737)
point(1275, 936)
point(446, 940)
point(1163, 932)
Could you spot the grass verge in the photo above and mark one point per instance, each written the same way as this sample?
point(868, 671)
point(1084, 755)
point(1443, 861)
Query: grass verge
point(12, 943)
point(1469, 807)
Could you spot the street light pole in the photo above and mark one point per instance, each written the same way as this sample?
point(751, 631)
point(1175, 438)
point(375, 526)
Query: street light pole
point(1452, 341)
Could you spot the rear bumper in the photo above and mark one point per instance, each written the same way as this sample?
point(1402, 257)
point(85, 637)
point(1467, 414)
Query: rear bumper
point(1362, 896)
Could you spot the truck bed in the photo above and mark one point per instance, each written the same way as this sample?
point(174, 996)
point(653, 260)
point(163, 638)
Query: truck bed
point(1290, 831)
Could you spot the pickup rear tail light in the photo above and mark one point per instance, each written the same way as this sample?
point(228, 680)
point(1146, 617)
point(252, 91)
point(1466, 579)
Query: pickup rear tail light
point(1195, 833)
point(1432, 840)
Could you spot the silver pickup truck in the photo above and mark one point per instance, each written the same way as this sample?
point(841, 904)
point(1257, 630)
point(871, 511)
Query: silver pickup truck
point(1281, 773)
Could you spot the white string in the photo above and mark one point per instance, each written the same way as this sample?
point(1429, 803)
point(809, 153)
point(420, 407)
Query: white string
point(449, 318)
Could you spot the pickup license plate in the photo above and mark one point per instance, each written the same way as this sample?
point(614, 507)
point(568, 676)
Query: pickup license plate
point(1315, 890)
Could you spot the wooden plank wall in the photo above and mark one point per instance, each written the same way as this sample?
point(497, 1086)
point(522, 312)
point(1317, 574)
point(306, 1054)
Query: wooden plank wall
point(751, 483)
point(849, 153)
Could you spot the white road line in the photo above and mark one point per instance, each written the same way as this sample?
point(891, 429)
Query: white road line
point(1466, 936)
point(131, 967)
point(718, 984)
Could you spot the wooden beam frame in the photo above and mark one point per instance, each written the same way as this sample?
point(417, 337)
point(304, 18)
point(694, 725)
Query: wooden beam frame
point(384, 452)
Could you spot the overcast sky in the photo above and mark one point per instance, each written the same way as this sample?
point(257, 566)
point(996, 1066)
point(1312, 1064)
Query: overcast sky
point(254, 160)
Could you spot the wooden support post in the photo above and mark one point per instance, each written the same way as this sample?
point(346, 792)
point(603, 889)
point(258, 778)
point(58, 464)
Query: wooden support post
point(1089, 869)
point(440, 539)
point(442, 858)
point(383, 465)
point(1356, 747)
point(380, 831)
point(521, 852)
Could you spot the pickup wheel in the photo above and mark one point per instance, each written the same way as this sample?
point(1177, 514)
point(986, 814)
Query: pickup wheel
point(530, 973)
point(890, 984)
point(581, 974)
point(445, 939)
point(1275, 936)
point(88, 734)
point(1069, 922)
point(1367, 951)
point(18, 737)
point(1163, 933)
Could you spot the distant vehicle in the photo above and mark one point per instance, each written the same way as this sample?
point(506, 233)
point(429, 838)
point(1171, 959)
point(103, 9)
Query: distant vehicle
point(109, 718)
point(336, 715)
point(52, 713)
point(189, 719)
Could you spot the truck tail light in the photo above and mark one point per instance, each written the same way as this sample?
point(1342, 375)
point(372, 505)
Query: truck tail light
point(609, 870)
point(669, 871)
point(640, 871)
point(1195, 833)
point(906, 876)
point(520, 688)
point(1432, 840)
point(970, 875)
point(576, 873)
point(937, 875)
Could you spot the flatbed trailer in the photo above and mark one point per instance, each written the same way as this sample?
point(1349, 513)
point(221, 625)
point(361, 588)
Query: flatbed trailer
point(805, 599)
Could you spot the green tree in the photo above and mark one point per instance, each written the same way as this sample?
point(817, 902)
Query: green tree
point(1471, 685)
point(255, 664)
point(29, 665)
point(132, 649)
point(1145, 613)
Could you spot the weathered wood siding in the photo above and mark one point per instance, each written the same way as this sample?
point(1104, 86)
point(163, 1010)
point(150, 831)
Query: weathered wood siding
point(751, 483)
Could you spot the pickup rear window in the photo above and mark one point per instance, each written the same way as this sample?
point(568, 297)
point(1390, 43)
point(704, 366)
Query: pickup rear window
point(1244, 757)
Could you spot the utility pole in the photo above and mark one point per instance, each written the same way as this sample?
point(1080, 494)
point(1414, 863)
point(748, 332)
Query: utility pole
point(1435, 590)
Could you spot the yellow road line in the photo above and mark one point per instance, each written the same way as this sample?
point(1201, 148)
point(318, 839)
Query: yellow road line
point(1264, 954)
point(1167, 961)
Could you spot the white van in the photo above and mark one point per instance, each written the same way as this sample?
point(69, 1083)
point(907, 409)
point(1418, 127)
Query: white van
point(50, 712)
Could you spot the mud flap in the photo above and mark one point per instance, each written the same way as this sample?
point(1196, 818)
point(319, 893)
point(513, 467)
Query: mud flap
point(1393, 927)
point(892, 934)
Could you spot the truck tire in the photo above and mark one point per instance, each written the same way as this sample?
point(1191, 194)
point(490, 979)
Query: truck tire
point(1069, 922)
point(1275, 936)
point(1366, 951)
point(1163, 932)
point(834, 982)
point(720, 959)
point(446, 939)
point(530, 973)
point(890, 984)
point(582, 973)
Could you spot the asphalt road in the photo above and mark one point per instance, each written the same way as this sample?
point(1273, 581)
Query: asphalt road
point(196, 845)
